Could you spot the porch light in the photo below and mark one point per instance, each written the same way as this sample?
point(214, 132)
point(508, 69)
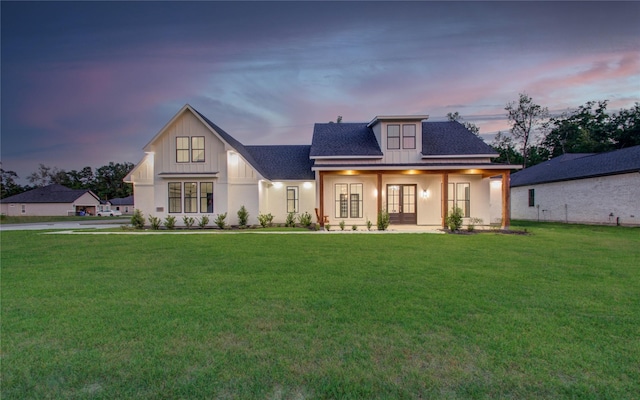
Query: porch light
point(496, 183)
point(277, 185)
point(426, 194)
point(307, 185)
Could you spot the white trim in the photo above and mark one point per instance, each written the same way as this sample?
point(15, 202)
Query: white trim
point(186, 175)
point(460, 156)
point(346, 157)
point(383, 167)
point(380, 118)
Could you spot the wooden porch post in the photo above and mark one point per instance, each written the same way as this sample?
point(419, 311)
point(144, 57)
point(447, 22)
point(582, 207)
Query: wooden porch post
point(506, 200)
point(445, 198)
point(379, 199)
point(321, 202)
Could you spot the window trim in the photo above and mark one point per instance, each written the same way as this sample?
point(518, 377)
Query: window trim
point(454, 200)
point(398, 137)
point(205, 198)
point(182, 150)
point(404, 137)
point(171, 205)
point(192, 199)
point(296, 199)
point(194, 149)
point(532, 197)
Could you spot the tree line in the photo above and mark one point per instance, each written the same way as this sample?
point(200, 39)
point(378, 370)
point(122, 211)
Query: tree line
point(106, 181)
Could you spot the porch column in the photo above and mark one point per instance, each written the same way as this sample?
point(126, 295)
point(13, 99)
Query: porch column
point(321, 202)
point(506, 200)
point(445, 198)
point(379, 199)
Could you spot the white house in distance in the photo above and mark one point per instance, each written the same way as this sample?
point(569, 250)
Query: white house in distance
point(415, 169)
point(601, 188)
point(51, 200)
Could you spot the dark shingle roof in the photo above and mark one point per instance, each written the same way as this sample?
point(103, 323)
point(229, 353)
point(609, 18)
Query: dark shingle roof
point(344, 139)
point(579, 166)
point(451, 138)
point(123, 201)
point(283, 162)
point(49, 194)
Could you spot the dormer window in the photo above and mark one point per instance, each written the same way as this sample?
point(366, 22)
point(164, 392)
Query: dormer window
point(408, 139)
point(189, 149)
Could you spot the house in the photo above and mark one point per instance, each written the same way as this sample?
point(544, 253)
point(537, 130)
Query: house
point(125, 205)
point(601, 188)
point(51, 200)
point(415, 169)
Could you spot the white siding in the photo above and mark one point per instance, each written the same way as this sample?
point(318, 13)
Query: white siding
point(600, 200)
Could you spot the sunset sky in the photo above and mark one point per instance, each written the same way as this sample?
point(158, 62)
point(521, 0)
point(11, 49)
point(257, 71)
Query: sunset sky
point(86, 83)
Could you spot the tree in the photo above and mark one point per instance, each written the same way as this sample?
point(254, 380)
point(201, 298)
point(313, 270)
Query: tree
point(108, 180)
point(526, 118)
point(456, 117)
point(625, 127)
point(8, 185)
point(504, 145)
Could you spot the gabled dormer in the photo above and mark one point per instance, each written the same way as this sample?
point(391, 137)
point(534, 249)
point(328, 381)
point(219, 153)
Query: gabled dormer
point(399, 136)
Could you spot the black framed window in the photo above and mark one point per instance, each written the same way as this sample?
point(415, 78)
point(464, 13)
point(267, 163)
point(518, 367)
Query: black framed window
point(190, 197)
point(206, 197)
point(197, 149)
point(408, 136)
point(393, 137)
point(292, 199)
point(532, 197)
point(182, 149)
point(459, 195)
point(355, 200)
point(175, 197)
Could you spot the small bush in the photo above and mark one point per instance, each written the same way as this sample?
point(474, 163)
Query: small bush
point(290, 222)
point(220, 220)
point(454, 219)
point(265, 220)
point(170, 222)
point(155, 222)
point(354, 227)
point(369, 225)
point(203, 221)
point(383, 220)
point(188, 221)
point(471, 226)
point(341, 225)
point(305, 219)
point(137, 219)
point(243, 216)
point(328, 227)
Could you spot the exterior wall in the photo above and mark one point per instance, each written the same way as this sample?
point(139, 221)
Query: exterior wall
point(600, 200)
point(38, 209)
point(400, 156)
point(274, 199)
point(495, 206)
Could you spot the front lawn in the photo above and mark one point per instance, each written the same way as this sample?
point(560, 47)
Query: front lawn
point(554, 314)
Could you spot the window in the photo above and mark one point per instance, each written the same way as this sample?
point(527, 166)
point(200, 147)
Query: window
point(355, 200)
point(206, 197)
point(408, 136)
point(292, 199)
point(459, 196)
point(348, 200)
point(393, 137)
point(532, 197)
point(190, 197)
point(182, 149)
point(197, 149)
point(189, 149)
point(175, 197)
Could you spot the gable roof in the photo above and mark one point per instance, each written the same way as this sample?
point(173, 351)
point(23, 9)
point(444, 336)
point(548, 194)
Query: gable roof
point(580, 166)
point(283, 162)
point(49, 194)
point(344, 140)
point(451, 138)
point(123, 201)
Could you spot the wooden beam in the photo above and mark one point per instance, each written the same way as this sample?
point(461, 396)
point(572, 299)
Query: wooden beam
point(445, 198)
point(321, 205)
point(506, 200)
point(379, 188)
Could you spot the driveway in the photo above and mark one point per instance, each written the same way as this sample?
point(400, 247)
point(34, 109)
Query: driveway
point(107, 223)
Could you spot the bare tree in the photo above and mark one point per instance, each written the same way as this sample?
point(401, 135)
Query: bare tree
point(526, 117)
point(456, 117)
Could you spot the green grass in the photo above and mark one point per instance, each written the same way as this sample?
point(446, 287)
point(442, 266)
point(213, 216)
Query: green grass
point(555, 314)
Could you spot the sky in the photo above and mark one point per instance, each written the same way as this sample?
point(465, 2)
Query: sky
point(88, 83)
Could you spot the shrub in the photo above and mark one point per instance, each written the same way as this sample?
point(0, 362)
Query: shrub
point(341, 225)
point(328, 227)
point(471, 226)
point(154, 222)
point(243, 216)
point(354, 227)
point(220, 220)
point(170, 222)
point(454, 219)
point(290, 222)
point(369, 225)
point(383, 220)
point(265, 219)
point(203, 221)
point(137, 219)
point(305, 219)
point(188, 221)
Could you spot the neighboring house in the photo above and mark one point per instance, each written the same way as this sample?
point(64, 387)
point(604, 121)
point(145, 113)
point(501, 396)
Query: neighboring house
point(51, 200)
point(599, 188)
point(125, 205)
point(350, 172)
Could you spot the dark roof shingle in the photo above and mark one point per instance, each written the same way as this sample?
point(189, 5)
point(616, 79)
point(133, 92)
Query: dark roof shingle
point(48, 194)
point(344, 139)
point(283, 162)
point(579, 166)
point(452, 138)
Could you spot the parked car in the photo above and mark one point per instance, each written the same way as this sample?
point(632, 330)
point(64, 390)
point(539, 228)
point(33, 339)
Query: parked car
point(109, 213)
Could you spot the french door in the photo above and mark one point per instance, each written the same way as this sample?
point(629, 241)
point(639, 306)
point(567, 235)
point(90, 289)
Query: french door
point(401, 204)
